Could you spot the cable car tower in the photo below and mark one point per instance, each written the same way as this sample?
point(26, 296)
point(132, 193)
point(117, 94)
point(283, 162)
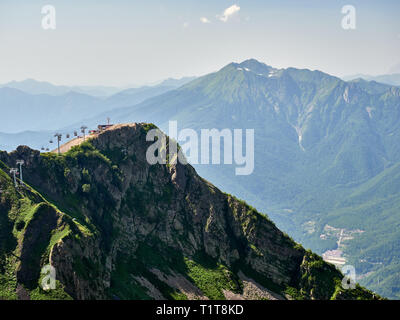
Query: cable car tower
point(14, 171)
point(20, 163)
point(58, 136)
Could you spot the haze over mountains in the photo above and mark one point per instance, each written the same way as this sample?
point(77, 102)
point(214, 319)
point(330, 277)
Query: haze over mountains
point(327, 154)
point(32, 86)
point(35, 87)
point(44, 108)
point(391, 79)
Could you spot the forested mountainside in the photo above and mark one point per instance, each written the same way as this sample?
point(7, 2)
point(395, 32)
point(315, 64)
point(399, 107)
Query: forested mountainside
point(327, 155)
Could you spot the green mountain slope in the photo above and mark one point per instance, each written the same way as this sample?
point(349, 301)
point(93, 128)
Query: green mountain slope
point(317, 140)
point(115, 227)
point(375, 207)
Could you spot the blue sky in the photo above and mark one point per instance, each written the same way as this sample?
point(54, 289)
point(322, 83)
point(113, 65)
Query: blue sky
point(127, 42)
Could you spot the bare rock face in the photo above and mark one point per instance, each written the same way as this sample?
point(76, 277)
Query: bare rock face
point(149, 231)
point(78, 267)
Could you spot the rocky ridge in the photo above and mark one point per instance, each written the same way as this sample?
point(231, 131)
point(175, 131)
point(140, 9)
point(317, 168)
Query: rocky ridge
point(115, 227)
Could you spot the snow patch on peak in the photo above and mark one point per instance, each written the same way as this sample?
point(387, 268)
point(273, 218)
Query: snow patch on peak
point(272, 73)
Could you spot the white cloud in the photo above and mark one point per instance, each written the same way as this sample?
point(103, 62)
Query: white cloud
point(204, 20)
point(229, 12)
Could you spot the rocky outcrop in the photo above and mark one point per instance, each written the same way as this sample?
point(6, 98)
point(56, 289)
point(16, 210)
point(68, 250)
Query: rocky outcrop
point(148, 231)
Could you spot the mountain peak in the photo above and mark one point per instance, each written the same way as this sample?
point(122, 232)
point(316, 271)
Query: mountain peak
point(253, 62)
point(250, 65)
point(255, 66)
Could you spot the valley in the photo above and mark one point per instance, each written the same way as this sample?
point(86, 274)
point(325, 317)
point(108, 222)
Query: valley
point(326, 154)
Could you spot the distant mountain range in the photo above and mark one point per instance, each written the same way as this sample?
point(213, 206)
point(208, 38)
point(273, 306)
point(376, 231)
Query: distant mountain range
point(327, 155)
point(43, 113)
point(36, 139)
point(22, 111)
point(391, 79)
point(32, 86)
point(35, 87)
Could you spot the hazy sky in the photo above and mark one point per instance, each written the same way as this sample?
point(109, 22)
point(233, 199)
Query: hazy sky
point(122, 42)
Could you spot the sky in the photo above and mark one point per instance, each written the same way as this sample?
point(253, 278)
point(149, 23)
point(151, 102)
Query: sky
point(129, 42)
